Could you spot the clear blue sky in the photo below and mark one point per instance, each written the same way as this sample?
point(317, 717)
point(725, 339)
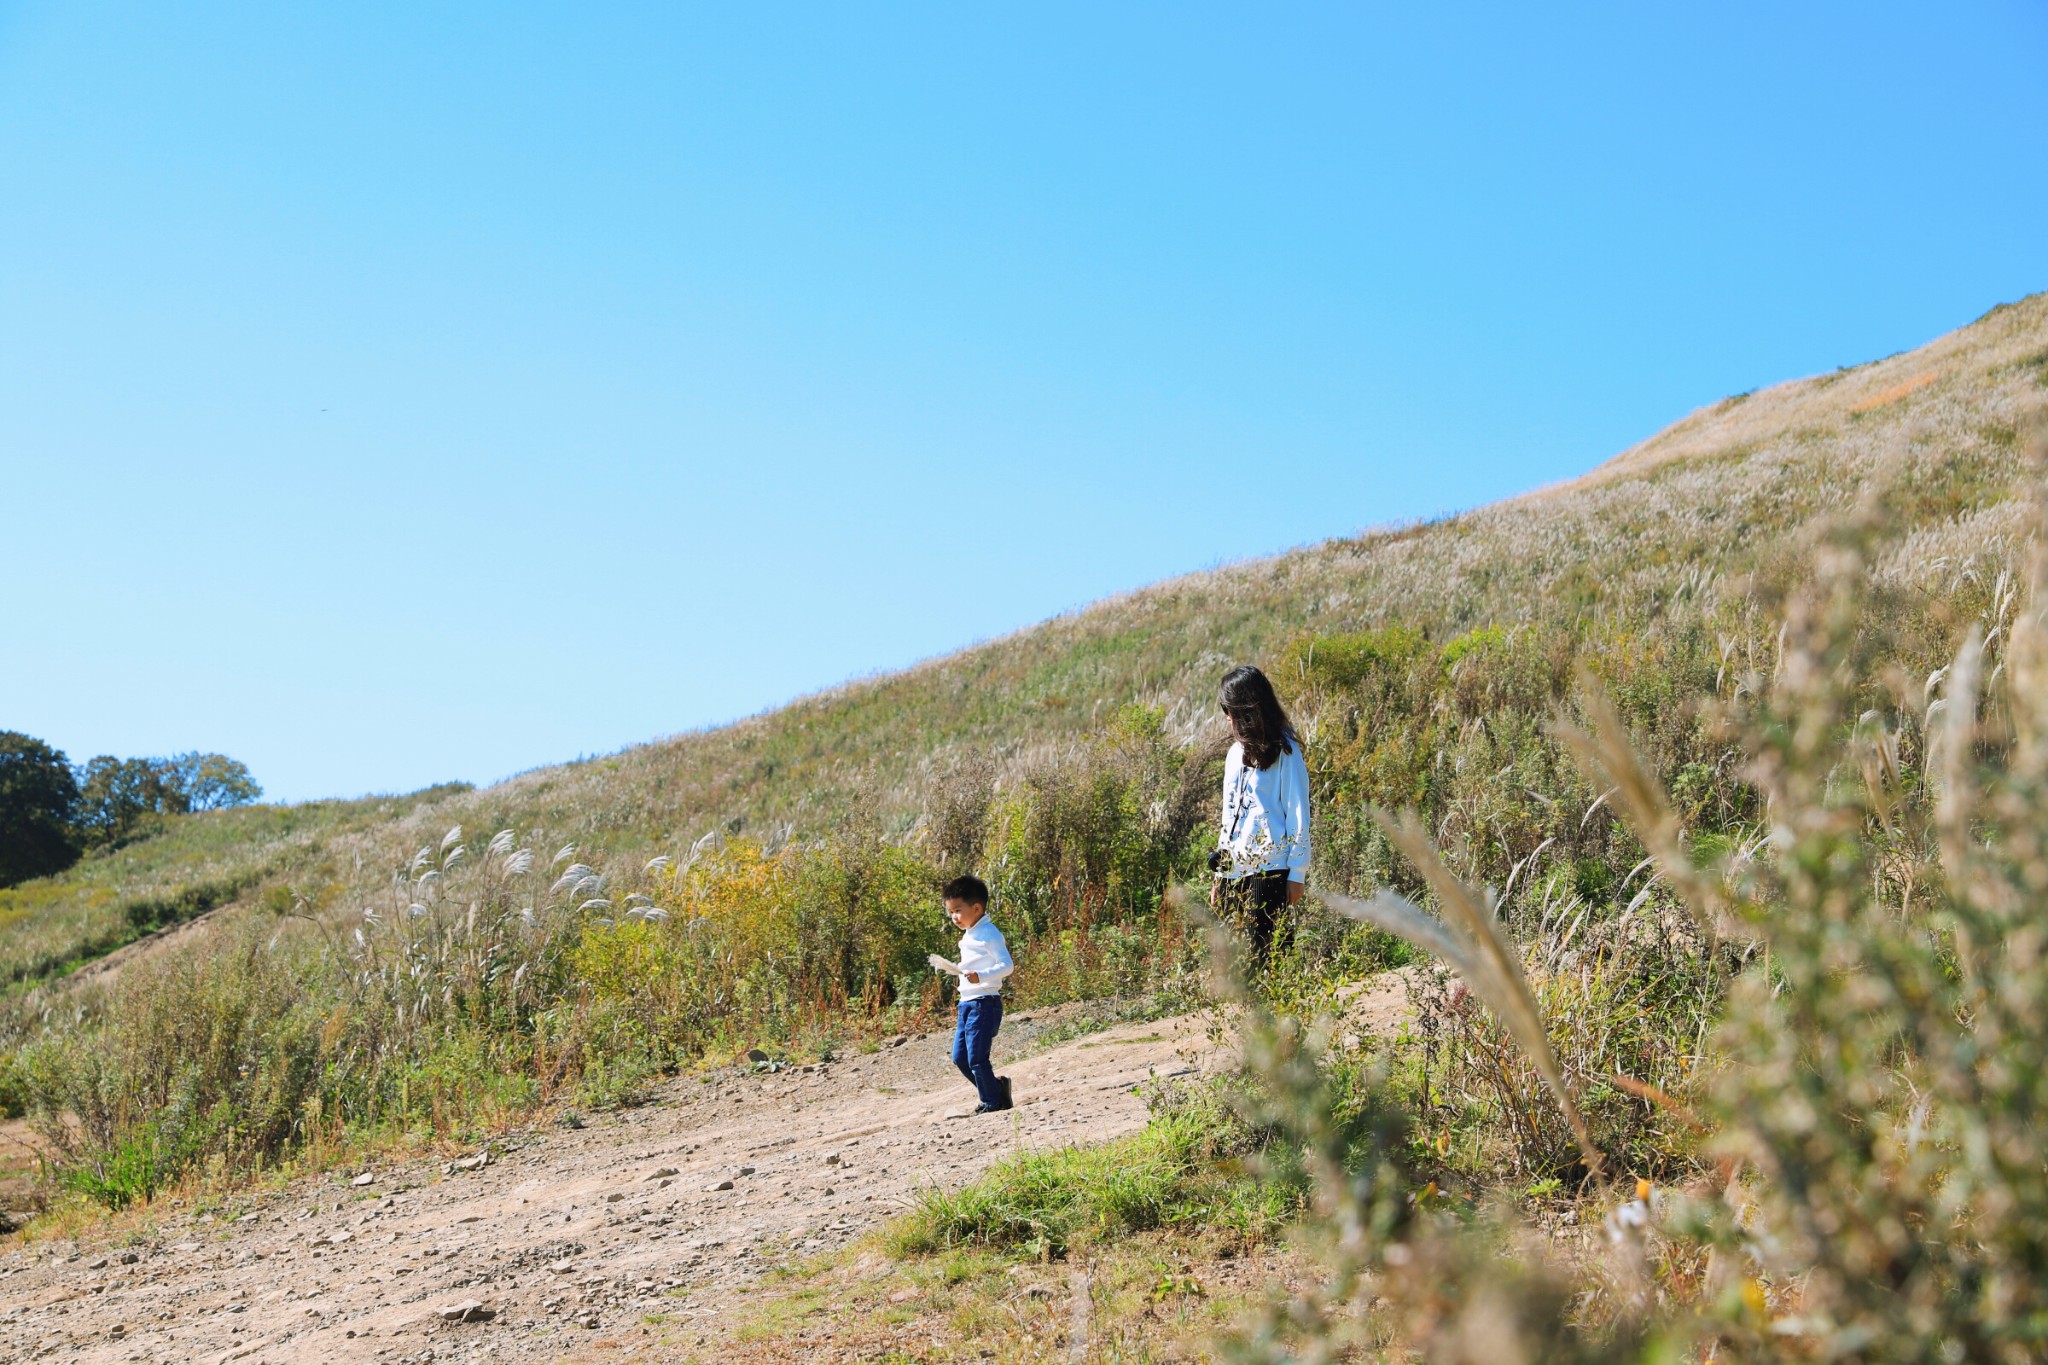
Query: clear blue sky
point(399, 392)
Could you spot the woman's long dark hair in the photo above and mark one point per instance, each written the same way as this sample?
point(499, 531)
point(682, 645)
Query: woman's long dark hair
point(1255, 714)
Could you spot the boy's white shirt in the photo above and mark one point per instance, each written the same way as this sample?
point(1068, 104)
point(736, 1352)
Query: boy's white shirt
point(1269, 809)
point(984, 952)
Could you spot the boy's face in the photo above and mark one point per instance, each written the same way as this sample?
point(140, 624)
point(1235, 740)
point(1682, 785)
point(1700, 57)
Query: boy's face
point(964, 914)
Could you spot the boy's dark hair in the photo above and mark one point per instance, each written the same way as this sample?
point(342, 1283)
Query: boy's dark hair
point(973, 890)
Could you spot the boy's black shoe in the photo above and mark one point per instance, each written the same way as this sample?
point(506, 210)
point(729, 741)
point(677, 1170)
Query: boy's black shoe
point(1004, 1082)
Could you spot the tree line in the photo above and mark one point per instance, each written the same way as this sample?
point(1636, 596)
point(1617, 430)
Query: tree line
point(53, 812)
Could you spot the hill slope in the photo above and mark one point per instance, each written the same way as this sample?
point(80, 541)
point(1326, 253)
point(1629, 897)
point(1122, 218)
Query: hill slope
point(1721, 497)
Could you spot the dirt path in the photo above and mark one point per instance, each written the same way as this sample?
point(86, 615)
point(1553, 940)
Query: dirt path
point(569, 1241)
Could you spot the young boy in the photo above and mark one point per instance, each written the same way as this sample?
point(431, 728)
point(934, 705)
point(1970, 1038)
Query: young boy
point(984, 962)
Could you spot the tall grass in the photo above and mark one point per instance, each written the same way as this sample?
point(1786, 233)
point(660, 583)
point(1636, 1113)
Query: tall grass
point(488, 975)
point(1876, 1086)
point(194, 864)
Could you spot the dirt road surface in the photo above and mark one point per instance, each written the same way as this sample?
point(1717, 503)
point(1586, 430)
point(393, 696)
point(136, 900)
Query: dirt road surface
point(625, 1239)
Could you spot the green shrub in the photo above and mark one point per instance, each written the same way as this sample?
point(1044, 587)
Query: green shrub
point(141, 1162)
point(1352, 660)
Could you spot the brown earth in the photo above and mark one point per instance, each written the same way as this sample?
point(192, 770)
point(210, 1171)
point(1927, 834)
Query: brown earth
point(637, 1236)
point(571, 1239)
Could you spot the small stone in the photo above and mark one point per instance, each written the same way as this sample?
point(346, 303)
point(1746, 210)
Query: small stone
point(614, 1197)
point(565, 1266)
point(756, 1056)
point(469, 1310)
point(366, 1178)
point(898, 1041)
point(721, 1185)
point(97, 1263)
point(662, 1174)
point(128, 1258)
point(832, 1160)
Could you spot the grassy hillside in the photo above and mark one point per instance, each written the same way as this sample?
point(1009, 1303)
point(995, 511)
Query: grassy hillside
point(1711, 508)
point(194, 864)
point(432, 961)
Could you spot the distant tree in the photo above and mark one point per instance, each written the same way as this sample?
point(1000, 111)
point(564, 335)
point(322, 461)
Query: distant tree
point(116, 795)
point(214, 781)
point(119, 796)
point(38, 802)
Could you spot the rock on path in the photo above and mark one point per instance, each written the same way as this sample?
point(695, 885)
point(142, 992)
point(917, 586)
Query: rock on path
point(565, 1241)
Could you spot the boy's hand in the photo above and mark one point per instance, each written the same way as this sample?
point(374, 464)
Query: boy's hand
point(975, 977)
point(1294, 890)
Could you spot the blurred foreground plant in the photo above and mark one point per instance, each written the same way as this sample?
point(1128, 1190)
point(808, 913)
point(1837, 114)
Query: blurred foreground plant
point(1880, 1086)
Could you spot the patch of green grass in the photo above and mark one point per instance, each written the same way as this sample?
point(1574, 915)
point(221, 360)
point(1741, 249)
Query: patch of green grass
point(1128, 1042)
point(1188, 1166)
point(780, 1314)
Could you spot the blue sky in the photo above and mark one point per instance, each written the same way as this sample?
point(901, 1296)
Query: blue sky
point(399, 392)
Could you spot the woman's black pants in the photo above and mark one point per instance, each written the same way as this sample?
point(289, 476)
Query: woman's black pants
point(1254, 905)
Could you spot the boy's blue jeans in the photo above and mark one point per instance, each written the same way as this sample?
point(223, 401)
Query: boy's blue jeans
point(979, 1020)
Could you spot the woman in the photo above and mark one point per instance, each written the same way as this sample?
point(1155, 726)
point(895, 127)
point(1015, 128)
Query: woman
point(1261, 861)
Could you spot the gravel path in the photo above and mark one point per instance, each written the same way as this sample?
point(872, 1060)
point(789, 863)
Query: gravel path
point(565, 1242)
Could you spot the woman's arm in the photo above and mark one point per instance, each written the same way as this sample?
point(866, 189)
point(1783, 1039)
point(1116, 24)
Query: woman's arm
point(1294, 809)
point(1232, 763)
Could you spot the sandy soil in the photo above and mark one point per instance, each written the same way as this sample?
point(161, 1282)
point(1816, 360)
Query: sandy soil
point(565, 1240)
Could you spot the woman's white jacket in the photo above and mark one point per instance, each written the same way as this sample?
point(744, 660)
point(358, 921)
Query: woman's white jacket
point(1265, 815)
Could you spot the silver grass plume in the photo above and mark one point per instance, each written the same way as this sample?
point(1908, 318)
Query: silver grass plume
point(1469, 939)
